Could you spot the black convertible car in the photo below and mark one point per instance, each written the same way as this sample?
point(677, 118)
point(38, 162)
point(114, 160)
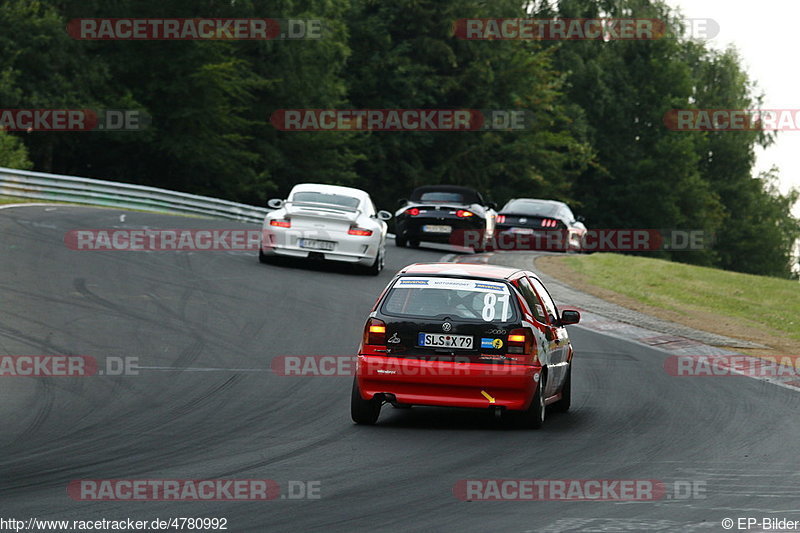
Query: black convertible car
point(445, 214)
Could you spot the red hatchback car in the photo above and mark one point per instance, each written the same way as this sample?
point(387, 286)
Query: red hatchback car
point(465, 335)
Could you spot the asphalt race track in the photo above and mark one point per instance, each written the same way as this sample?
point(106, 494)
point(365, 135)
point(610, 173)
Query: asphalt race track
point(205, 327)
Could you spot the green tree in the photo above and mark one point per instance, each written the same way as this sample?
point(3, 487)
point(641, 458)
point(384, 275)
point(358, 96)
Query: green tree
point(42, 67)
point(644, 176)
point(405, 55)
point(758, 231)
point(13, 153)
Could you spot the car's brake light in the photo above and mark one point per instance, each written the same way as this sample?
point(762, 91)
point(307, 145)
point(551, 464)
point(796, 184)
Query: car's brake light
point(281, 223)
point(375, 332)
point(463, 213)
point(522, 346)
point(549, 223)
point(413, 211)
point(359, 231)
point(501, 218)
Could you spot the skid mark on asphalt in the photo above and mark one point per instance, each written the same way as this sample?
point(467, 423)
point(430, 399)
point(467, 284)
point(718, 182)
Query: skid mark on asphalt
point(44, 407)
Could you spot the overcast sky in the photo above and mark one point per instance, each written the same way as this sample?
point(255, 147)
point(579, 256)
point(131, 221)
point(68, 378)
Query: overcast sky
point(768, 42)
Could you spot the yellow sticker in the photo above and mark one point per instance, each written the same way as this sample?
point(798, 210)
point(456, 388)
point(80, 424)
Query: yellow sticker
point(497, 344)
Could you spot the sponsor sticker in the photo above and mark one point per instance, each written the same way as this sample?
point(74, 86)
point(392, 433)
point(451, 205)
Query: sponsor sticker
point(454, 284)
point(490, 343)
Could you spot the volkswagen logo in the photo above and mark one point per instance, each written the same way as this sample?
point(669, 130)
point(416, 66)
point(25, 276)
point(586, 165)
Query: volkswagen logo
point(447, 326)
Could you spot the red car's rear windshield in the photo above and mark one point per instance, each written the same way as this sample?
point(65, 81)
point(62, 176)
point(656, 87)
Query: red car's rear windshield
point(432, 297)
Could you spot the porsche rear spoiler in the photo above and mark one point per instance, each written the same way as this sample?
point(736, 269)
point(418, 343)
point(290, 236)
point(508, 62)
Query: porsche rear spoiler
point(322, 210)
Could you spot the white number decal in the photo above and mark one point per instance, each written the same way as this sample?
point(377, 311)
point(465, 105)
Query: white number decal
point(488, 307)
point(489, 311)
point(504, 299)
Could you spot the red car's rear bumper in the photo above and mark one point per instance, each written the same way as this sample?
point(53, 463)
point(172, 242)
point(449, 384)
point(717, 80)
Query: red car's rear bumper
point(476, 385)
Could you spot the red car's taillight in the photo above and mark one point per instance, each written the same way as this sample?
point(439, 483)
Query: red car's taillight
point(413, 211)
point(360, 232)
point(280, 223)
point(522, 346)
point(500, 219)
point(463, 213)
point(375, 332)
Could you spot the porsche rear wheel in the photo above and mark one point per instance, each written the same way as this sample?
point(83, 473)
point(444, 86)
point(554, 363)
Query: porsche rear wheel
point(263, 258)
point(377, 265)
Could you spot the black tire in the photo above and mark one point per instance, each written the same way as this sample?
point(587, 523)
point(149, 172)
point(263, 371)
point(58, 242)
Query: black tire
point(401, 405)
point(262, 258)
point(363, 411)
point(413, 243)
point(400, 241)
point(562, 405)
point(377, 265)
point(533, 417)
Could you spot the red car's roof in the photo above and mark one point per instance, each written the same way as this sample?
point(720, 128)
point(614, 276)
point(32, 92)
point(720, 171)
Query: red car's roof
point(464, 269)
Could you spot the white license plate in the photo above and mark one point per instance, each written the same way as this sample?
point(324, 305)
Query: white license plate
point(443, 340)
point(314, 244)
point(437, 229)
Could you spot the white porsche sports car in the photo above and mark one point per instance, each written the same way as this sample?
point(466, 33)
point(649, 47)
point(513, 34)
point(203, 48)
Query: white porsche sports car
point(326, 222)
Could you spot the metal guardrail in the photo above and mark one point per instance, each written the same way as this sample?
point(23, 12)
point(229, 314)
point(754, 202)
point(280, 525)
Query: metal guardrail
point(73, 189)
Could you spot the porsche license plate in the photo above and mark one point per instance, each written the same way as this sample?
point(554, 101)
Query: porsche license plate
point(313, 244)
point(443, 340)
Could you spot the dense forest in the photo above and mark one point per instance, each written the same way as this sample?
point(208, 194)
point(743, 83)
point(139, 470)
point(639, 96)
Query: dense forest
point(598, 140)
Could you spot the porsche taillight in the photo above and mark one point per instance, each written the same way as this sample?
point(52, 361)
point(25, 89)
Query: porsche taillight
point(375, 332)
point(521, 346)
point(361, 232)
point(463, 213)
point(413, 211)
point(280, 223)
